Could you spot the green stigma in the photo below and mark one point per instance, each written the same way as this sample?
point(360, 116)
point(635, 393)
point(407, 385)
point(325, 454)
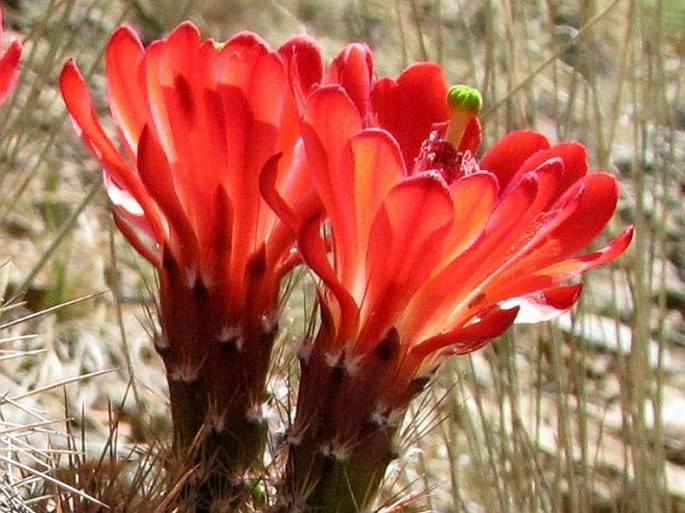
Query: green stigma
point(464, 98)
point(218, 45)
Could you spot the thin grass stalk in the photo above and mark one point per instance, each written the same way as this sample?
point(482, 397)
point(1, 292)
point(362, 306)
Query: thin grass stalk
point(662, 122)
point(638, 378)
point(489, 443)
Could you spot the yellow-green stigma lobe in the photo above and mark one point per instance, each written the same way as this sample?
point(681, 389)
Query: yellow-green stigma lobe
point(464, 98)
point(465, 103)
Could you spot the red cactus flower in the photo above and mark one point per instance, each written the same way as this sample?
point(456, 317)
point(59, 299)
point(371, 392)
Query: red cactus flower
point(200, 123)
point(434, 253)
point(9, 64)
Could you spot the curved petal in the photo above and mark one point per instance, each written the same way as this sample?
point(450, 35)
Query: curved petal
point(125, 89)
point(82, 112)
point(574, 266)
point(506, 157)
point(315, 252)
point(155, 173)
point(353, 70)
point(466, 339)
point(453, 292)
point(374, 166)
point(9, 67)
point(405, 244)
point(544, 305)
point(138, 237)
point(304, 70)
point(304, 65)
point(596, 207)
point(543, 269)
point(474, 200)
point(331, 120)
point(87, 125)
point(267, 188)
point(410, 106)
point(576, 220)
point(573, 155)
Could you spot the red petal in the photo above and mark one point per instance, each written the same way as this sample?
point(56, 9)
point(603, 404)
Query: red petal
point(451, 294)
point(573, 155)
point(353, 70)
point(267, 187)
point(545, 305)
point(218, 247)
point(9, 67)
point(155, 173)
point(82, 112)
point(138, 237)
point(124, 86)
point(409, 107)
point(331, 120)
point(506, 157)
point(245, 39)
point(304, 71)
point(368, 168)
point(304, 65)
point(550, 174)
point(373, 167)
point(474, 199)
point(260, 74)
point(472, 138)
point(315, 253)
point(595, 207)
point(571, 267)
point(405, 245)
point(470, 338)
point(525, 278)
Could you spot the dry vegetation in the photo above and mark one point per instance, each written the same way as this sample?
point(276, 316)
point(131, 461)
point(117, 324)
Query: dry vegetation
point(586, 414)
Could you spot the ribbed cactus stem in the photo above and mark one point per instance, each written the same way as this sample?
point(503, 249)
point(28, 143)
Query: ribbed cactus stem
point(343, 437)
point(216, 369)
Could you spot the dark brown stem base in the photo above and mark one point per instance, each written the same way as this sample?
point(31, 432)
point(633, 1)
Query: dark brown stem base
point(216, 413)
point(342, 440)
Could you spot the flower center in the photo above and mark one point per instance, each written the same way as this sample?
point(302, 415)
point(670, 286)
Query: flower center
point(440, 151)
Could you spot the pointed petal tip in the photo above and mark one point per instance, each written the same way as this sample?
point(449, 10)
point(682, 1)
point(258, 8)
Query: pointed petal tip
point(124, 31)
point(546, 305)
point(9, 68)
point(461, 340)
point(71, 81)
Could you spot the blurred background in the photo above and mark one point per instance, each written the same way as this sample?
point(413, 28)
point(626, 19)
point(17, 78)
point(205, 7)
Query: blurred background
point(583, 414)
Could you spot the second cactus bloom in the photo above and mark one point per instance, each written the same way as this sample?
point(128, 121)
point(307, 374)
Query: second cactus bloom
point(432, 253)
